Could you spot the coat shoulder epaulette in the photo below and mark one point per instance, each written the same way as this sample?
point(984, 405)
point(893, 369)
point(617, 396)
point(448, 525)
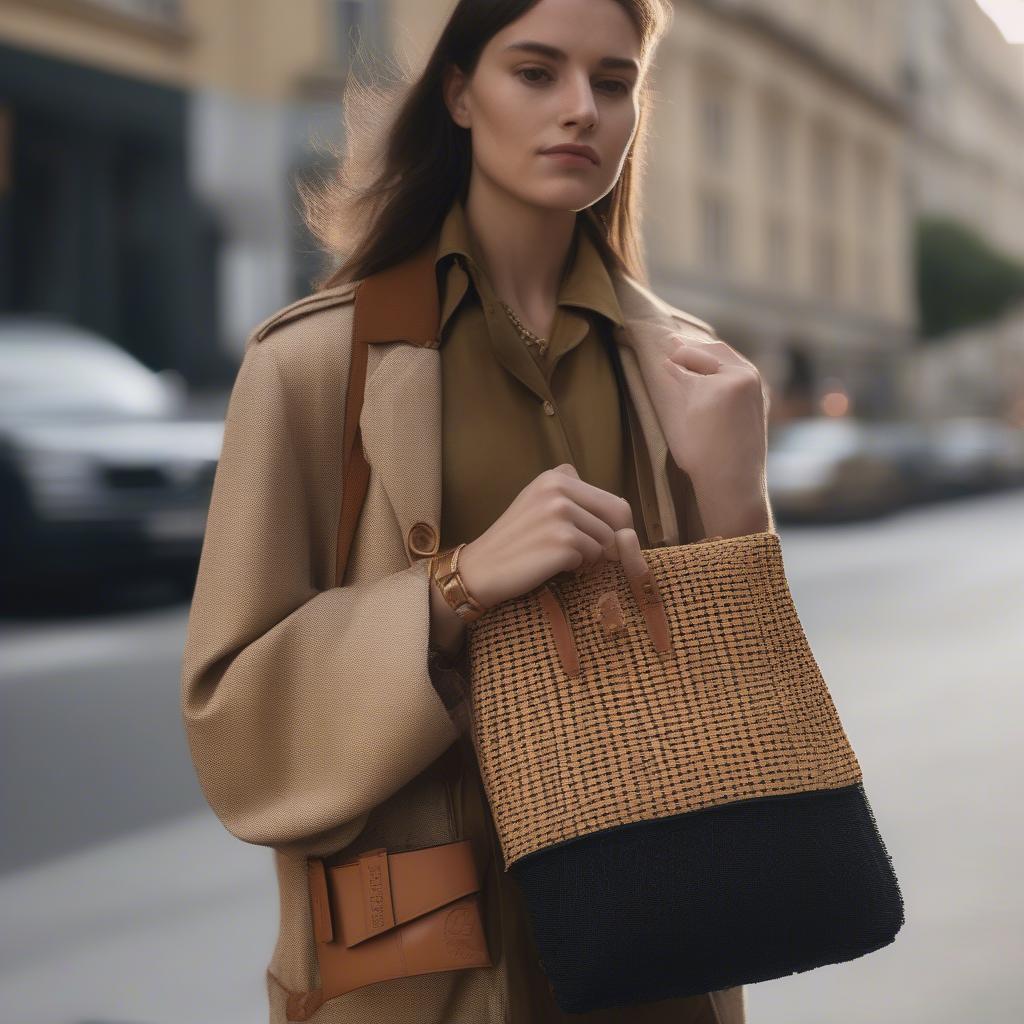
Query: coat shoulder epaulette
point(694, 321)
point(635, 293)
point(335, 296)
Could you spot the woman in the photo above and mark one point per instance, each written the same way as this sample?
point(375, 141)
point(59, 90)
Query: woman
point(323, 692)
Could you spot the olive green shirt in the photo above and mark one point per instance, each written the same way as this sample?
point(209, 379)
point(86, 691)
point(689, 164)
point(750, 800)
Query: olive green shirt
point(510, 412)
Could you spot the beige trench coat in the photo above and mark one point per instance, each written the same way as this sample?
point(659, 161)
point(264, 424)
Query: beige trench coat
point(308, 707)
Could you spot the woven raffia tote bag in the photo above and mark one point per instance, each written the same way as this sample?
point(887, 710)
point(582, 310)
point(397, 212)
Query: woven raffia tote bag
point(670, 783)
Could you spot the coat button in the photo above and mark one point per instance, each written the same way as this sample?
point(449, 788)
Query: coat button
point(422, 540)
point(549, 408)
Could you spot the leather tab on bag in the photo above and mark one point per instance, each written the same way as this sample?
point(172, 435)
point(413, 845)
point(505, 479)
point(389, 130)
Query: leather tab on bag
point(437, 913)
point(561, 629)
point(319, 901)
point(649, 601)
point(378, 912)
point(415, 882)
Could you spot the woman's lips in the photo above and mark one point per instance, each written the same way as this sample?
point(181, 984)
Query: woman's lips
point(571, 159)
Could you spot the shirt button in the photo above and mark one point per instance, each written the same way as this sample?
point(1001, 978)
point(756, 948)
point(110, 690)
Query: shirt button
point(549, 408)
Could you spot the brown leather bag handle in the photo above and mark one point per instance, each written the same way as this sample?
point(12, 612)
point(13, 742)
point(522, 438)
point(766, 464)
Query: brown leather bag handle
point(647, 595)
point(561, 628)
point(608, 613)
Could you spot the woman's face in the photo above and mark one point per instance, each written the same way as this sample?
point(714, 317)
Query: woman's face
point(521, 100)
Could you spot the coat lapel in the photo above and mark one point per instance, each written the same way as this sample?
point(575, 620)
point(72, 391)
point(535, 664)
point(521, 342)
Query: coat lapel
point(401, 428)
point(397, 314)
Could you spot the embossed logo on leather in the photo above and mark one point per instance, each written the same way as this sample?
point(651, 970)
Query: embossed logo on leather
point(375, 895)
point(461, 935)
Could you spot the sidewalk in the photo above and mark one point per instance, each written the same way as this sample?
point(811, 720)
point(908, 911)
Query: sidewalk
point(123, 932)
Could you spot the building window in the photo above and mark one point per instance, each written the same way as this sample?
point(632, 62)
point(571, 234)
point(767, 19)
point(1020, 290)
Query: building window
point(825, 167)
point(870, 166)
point(869, 278)
point(776, 145)
point(349, 25)
point(160, 12)
point(868, 12)
point(716, 231)
point(776, 250)
point(826, 265)
point(715, 125)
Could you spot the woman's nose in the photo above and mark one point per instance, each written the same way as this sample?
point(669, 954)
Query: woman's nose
point(580, 106)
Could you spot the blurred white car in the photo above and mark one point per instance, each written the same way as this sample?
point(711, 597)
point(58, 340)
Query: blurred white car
point(100, 470)
point(977, 453)
point(823, 467)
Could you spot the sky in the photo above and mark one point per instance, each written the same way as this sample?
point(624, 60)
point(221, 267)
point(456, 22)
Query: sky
point(1008, 15)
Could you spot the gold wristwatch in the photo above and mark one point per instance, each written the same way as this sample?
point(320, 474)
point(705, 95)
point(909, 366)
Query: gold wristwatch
point(444, 566)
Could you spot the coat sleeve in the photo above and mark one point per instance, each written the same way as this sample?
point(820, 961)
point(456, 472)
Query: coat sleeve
point(304, 707)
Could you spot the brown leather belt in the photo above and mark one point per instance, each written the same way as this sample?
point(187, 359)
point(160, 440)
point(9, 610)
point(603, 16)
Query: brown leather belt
point(389, 915)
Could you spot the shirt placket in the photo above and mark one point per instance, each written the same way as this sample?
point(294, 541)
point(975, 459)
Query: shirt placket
point(514, 355)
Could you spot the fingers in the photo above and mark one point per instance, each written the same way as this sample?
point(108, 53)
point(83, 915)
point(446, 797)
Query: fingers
point(615, 511)
point(630, 553)
point(718, 349)
point(598, 538)
point(626, 548)
point(604, 519)
point(692, 358)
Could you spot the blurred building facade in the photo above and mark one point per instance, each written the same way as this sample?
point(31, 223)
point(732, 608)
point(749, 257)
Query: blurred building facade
point(149, 149)
point(780, 185)
point(965, 88)
point(965, 85)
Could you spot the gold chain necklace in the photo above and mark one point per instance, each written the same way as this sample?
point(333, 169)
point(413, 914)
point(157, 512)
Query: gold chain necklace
point(524, 332)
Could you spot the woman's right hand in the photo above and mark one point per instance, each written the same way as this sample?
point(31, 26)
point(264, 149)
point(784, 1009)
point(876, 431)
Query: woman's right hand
point(556, 523)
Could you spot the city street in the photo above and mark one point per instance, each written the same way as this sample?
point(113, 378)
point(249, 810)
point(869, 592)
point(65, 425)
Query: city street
point(123, 899)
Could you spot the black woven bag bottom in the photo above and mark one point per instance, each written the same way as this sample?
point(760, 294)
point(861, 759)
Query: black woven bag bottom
point(727, 895)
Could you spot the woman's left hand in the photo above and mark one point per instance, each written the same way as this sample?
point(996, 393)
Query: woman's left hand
point(712, 404)
point(714, 410)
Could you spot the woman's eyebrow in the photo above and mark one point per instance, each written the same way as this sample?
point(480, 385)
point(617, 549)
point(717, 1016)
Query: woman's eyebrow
point(546, 50)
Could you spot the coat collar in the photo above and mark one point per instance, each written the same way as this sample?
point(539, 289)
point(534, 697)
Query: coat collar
point(416, 320)
point(585, 288)
point(400, 303)
point(397, 313)
point(586, 283)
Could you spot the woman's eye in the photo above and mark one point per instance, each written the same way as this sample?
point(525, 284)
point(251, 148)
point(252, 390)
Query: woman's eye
point(526, 71)
point(617, 86)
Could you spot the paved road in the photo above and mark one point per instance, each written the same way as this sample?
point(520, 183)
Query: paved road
point(123, 899)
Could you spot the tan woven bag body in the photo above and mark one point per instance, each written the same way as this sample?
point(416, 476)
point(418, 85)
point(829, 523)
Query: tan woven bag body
point(670, 781)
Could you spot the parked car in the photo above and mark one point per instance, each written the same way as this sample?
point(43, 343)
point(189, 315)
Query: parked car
point(101, 470)
point(826, 468)
point(974, 453)
point(909, 445)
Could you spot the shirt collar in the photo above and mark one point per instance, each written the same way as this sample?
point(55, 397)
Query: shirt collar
point(588, 282)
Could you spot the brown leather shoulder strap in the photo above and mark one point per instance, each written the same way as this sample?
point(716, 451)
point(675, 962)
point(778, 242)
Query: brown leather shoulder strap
point(379, 318)
point(355, 468)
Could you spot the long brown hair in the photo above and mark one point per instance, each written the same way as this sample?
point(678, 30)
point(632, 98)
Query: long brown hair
point(405, 159)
